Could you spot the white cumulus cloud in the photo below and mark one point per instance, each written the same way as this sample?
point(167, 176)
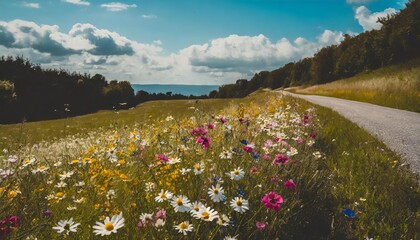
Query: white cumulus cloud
point(369, 20)
point(86, 48)
point(77, 2)
point(246, 54)
point(359, 1)
point(117, 6)
point(31, 5)
point(150, 16)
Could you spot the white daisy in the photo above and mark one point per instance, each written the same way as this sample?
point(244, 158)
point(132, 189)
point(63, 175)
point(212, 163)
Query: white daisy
point(163, 195)
point(185, 171)
point(28, 162)
point(196, 206)
point(236, 174)
point(144, 217)
point(66, 226)
point(40, 169)
point(65, 175)
point(239, 204)
point(109, 226)
point(184, 227)
point(199, 168)
point(207, 214)
point(174, 160)
point(225, 154)
point(61, 185)
point(217, 194)
point(181, 203)
point(231, 237)
point(223, 220)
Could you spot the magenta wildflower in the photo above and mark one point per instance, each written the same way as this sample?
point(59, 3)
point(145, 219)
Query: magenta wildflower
point(281, 159)
point(162, 157)
point(223, 120)
point(210, 126)
point(260, 225)
point(205, 141)
point(299, 141)
point(249, 148)
point(8, 225)
point(289, 184)
point(266, 157)
point(312, 134)
point(243, 120)
point(272, 200)
point(254, 170)
point(199, 131)
point(305, 119)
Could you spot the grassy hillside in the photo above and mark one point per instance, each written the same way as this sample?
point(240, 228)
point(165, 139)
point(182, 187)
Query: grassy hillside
point(396, 86)
point(330, 178)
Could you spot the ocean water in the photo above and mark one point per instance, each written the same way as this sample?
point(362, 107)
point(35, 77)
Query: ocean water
point(187, 90)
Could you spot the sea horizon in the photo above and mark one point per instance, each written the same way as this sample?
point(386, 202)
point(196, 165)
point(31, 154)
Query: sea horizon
point(184, 89)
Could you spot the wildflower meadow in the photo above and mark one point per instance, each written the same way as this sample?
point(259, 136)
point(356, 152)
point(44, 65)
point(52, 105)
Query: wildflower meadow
point(245, 172)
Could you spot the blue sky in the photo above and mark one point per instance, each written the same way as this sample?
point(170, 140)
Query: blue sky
point(180, 41)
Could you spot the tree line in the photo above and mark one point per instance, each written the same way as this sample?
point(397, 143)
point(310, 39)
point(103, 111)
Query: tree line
point(31, 93)
point(397, 41)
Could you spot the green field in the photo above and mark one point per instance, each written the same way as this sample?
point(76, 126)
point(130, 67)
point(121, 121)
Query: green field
point(396, 86)
point(336, 166)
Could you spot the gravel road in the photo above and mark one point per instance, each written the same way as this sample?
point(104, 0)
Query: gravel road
point(398, 129)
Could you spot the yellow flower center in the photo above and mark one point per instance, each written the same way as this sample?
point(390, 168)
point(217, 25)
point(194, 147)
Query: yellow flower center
point(183, 225)
point(239, 202)
point(236, 172)
point(59, 194)
point(205, 215)
point(27, 161)
point(216, 191)
point(163, 195)
point(109, 226)
point(42, 167)
point(179, 201)
point(196, 208)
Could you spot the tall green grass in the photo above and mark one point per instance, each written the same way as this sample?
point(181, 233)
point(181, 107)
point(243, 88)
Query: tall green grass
point(395, 86)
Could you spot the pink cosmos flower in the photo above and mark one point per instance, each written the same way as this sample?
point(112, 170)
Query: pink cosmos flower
point(289, 184)
point(260, 225)
point(272, 200)
point(268, 143)
point(266, 157)
point(223, 120)
point(161, 213)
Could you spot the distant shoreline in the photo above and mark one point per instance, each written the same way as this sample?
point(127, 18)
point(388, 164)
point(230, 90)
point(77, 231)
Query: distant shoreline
point(184, 89)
